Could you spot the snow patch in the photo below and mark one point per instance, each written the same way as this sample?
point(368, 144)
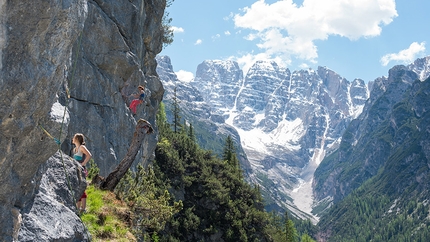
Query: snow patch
point(57, 113)
point(356, 111)
point(258, 117)
point(302, 196)
point(286, 135)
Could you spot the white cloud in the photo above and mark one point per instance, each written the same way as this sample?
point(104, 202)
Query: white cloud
point(198, 42)
point(406, 55)
point(227, 33)
point(304, 66)
point(230, 16)
point(177, 29)
point(184, 76)
point(287, 30)
point(217, 36)
point(247, 60)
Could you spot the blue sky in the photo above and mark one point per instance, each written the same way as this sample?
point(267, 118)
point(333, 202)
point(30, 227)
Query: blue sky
point(355, 38)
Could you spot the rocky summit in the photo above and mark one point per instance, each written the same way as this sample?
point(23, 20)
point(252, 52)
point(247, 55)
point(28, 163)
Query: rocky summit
point(358, 160)
point(287, 121)
point(380, 174)
point(69, 67)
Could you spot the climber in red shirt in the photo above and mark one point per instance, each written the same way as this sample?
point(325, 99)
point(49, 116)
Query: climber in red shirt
point(134, 104)
point(139, 97)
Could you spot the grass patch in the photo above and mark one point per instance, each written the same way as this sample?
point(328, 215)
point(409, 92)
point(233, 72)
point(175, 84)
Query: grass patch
point(107, 218)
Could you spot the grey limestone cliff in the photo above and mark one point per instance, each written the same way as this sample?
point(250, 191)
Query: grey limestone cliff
point(67, 67)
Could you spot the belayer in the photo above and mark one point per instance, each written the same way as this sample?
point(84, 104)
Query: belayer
point(81, 155)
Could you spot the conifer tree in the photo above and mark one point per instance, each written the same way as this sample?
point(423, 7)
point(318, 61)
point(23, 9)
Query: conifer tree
point(162, 118)
point(229, 155)
point(306, 238)
point(191, 133)
point(290, 230)
point(176, 110)
point(228, 149)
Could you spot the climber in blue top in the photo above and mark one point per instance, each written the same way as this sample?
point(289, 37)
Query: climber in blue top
point(81, 155)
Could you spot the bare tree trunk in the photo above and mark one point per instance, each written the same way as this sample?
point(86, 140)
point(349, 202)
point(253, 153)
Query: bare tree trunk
point(143, 127)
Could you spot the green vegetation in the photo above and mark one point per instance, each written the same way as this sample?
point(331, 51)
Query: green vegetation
point(217, 202)
point(107, 219)
point(370, 215)
point(151, 204)
point(166, 26)
point(137, 210)
point(188, 194)
point(385, 176)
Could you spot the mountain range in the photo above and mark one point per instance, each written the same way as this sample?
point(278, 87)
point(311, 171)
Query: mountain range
point(379, 176)
point(286, 121)
point(351, 156)
point(309, 138)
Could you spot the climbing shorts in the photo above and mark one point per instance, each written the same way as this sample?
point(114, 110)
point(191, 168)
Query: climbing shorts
point(83, 196)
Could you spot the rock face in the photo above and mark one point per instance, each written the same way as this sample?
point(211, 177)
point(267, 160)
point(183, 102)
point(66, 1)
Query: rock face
point(374, 139)
point(96, 52)
point(114, 55)
point(58, 188)
point(384, 157)
point(286, 121)
point(208, 123)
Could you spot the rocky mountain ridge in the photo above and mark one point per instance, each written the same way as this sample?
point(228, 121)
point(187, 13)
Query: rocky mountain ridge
point(380, 174)
point(360, 147)
point(207, 124)
point(286, 120)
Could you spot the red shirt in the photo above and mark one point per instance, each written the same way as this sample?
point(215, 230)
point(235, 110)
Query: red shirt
point(133, 105)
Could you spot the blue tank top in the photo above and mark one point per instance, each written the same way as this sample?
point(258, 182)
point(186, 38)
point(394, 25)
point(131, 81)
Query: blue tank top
point(79, 156)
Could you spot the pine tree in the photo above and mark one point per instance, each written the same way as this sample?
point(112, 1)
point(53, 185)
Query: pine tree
point(191, 134)
point(229, 155)
point(176, 110)
point(162, 123)
point(290, 230)
point(306, 238)
point(228, 149)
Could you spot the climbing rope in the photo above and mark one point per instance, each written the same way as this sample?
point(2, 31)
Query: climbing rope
point(57, 140)
point(64, 116)
point(62, 160)
point(49, 135)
